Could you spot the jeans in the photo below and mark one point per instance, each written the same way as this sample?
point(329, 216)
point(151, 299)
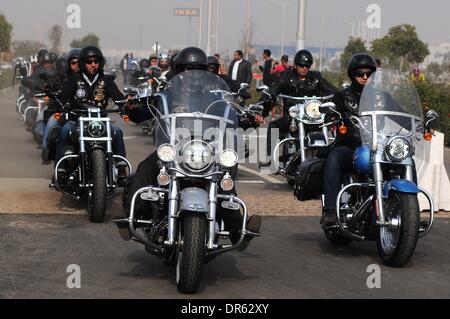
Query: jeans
point(118, 144)
point(339, 162)
point(52, 122)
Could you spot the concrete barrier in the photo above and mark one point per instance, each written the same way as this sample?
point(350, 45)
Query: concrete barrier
point(432, 174)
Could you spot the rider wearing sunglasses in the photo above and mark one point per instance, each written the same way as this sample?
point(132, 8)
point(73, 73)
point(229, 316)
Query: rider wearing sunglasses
point(340, 158)
point(91, 86)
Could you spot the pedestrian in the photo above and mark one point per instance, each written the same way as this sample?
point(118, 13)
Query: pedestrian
point(124, 68)
point(268, 66)
point(240, 71)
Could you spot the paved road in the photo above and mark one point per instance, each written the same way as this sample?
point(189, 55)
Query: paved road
point(291, 260)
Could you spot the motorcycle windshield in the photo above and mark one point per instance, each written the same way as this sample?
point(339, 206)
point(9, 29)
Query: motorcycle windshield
point(390, 106)
point(195, 105)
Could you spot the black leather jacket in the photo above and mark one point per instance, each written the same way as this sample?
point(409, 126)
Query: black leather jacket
point(290, 84)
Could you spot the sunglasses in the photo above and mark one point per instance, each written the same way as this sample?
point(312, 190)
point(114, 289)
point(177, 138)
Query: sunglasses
point(91, 61)
point(360, 74)
point(74, 62)
point(304, 66)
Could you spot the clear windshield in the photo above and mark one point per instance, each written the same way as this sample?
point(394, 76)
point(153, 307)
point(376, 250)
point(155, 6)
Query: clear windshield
point(195, 105)
point(390, 106)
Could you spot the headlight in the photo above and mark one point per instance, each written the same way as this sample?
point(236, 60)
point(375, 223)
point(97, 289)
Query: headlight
point(312, 110)
point(166, 153)
point(96, 129)
point(294, 111)
point(398, 149)
point(197, 155)
point(228, 158)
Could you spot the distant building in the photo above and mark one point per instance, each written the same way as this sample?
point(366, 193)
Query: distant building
point(439, 52)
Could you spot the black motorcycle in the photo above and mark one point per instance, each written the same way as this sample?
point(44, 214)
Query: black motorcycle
point(90, 164)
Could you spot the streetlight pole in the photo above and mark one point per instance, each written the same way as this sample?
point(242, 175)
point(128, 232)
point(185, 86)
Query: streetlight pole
point(217, 24)
point(301, 24)
point(283, 23)
point(208, 40)
point(200, 25)
point(321, 43)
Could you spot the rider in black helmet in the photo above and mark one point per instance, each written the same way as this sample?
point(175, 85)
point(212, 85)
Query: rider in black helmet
point(147, 172)
point(298, 82)
point(91, 86)
point(72, 60)
point(340, 158)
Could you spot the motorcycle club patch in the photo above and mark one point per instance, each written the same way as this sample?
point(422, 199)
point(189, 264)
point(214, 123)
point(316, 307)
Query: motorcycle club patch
point(81, 91)
point(99, 93)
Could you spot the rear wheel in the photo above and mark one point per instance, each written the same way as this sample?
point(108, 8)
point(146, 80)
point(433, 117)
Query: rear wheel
point(396, 244)
point(97, 195)
point(191, 253)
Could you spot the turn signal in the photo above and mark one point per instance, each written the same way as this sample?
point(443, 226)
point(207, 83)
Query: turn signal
point(126, 118)
point(343, 129)
point(428, 136)
point(57, 116)
point(227, 183)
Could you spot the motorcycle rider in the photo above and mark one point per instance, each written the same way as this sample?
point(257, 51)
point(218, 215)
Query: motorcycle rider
point(147, 172)
point(68, 69)
point(164, 63)
point(299, 81)
point(340, 158)
point(91, 86)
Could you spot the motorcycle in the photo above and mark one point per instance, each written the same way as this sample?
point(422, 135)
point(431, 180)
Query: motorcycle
point(306, 135)
point(91, 164)
point(197, 159)
point(379, 200)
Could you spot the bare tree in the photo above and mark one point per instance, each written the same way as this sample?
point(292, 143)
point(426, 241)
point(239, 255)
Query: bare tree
point(55, 37)
point(26, 48)
point(247, 39)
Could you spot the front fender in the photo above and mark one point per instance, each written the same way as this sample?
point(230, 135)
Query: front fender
point(194, 199)
point(400, 185)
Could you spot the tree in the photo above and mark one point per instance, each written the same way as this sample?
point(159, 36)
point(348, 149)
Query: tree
point(401, 47)
point(354, 45)
point(26, 48)
point(55, 37)
point(5, 34)
point(90, 39)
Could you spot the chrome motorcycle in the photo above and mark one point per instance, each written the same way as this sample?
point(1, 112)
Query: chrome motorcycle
point(306, 135)
point(196, 180)
point(91, 164)
point(378, 201)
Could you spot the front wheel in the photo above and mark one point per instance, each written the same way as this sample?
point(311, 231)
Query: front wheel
point(97, 195)
point(396, 244)
point(191, 253)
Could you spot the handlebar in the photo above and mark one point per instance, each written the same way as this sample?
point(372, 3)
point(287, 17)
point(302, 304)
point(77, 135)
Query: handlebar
point(303, 98)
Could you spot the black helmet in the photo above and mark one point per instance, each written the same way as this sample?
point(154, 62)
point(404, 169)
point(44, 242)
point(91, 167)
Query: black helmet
point(61, 66)
point(144, 63)
point(190, 58)
point(213, 64)
point(73, 54)
point(90, 52)
point(360, 60)
point(303, 57)
point(47, 58)
point(40, 53)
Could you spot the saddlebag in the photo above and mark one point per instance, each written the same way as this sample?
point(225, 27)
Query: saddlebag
point(309, 179)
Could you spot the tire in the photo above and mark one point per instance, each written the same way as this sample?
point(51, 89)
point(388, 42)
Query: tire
point(97, 196)
point(191, 253)
point(396, 247)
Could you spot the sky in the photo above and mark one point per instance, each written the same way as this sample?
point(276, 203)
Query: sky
point(138, 24)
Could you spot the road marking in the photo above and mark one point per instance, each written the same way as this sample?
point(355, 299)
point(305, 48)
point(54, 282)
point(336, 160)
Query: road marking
point(251, 182)
point(126, 138)
point(265, 177)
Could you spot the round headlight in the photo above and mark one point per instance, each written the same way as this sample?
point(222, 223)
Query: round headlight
point(96, 129)
point(294, 111)
point(398, 149)
point(197, 155)
point(166, 153)
point(228, 158)
point(312, 110)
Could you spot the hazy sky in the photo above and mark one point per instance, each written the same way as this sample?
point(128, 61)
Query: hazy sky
point(117, 23)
